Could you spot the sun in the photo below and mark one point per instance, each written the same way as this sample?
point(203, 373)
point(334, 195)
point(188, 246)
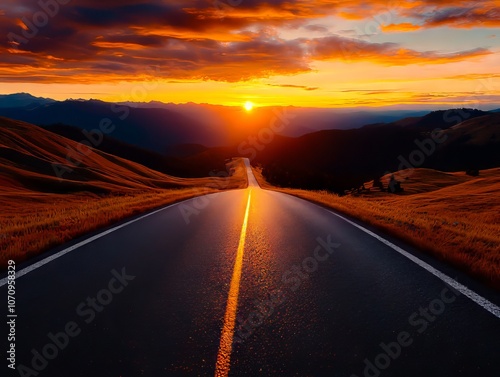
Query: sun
point(248, 106)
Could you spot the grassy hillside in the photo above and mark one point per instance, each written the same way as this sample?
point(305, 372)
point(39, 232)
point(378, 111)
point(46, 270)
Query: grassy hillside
point(41, 210)
point(337, 160)
point(153, 129)
point(452, 216)
point(423, 180)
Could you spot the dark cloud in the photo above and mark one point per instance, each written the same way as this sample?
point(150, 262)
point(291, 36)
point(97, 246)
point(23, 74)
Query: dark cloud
point(488, 16)
point(225, 40)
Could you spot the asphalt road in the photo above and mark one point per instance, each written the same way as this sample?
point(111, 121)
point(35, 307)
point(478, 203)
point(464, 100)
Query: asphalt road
point(246, 283)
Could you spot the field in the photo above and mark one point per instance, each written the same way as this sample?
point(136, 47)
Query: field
point(41, 210)
point(32, 222)
point(452, 216)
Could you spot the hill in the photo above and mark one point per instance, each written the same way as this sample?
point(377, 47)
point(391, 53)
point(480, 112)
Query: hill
point(158, 126)
point(442, 119)
point(472, 144)
point(183, 160)
point(334, 159)
point(338, 160)
point(36, 159)
point(22, 100)
point(172, 163)
point(423, 180)
point(152, 129)
point(451, 216)
point(53, 189)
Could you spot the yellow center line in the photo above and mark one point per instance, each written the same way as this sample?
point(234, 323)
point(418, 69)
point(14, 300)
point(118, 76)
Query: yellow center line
point(226, 340)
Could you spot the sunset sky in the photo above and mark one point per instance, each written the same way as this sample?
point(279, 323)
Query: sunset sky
point(315, 53)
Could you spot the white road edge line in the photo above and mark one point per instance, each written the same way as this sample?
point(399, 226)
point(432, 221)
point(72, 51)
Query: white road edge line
point(480, 300)
point(59, 254)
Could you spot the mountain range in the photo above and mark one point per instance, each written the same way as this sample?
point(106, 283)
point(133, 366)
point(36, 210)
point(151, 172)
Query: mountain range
point(338, 159)
point(22, 100)
point(186, 140)
point(160, 127)
point(33, 159)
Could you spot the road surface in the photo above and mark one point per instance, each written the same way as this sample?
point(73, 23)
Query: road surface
point(247, 283)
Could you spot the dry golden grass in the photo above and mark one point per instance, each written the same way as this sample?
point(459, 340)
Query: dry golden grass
point(40, 210)
point(32, 222)
point(32, 158)
point(450, 215)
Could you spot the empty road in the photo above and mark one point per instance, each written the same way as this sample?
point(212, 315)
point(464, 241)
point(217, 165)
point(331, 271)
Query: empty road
point(248, 283)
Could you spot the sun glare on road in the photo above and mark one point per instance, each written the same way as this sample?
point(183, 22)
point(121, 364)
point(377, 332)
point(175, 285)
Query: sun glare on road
point(248, 106)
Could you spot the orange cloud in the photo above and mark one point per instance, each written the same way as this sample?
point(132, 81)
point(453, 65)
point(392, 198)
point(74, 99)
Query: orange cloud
point(335, 47)
point(303, 87)
point(96, 41)
point(484, 13)
point(475, 76)
point(402, 27)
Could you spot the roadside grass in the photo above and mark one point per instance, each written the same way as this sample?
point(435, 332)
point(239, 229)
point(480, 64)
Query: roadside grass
point(32, 222)
point(451, 216)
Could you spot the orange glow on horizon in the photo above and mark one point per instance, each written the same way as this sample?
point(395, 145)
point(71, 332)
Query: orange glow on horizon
point(334, 85)
point(294, 53)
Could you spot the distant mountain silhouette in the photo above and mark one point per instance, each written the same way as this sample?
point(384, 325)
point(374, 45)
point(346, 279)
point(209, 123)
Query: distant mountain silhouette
point(442, 119)
point(334, 159)
point(119, 148)
point(338, 160)
point(22, 100)
point(153, 129)
point(175, 163)
point(193, 140)
point(301, 121)
point(160, 126)
point(470, 145)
